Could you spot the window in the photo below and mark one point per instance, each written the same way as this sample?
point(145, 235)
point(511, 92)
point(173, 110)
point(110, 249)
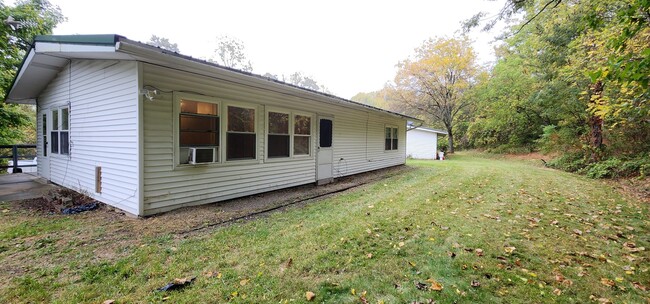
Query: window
point(301, 135)
point(198, 126)
point(240, 135)
point(391, 138)
point(325, 138)
point(279, 138)
point(60, 134)
point(289, 134)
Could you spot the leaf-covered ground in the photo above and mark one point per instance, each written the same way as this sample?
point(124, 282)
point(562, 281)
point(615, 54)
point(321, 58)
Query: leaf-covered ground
point(468, 230)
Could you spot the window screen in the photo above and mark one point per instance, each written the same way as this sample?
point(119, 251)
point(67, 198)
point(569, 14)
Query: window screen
point(325, 138)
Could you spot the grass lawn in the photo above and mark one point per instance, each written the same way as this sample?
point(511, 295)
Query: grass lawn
point(470, 229)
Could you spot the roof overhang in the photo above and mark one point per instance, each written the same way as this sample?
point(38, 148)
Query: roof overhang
point(50, 54)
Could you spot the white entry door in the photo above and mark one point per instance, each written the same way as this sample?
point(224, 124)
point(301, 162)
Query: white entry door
point(43, 158)
point(325, 152)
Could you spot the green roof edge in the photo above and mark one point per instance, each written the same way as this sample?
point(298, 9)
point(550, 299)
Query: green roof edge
point(105, 39)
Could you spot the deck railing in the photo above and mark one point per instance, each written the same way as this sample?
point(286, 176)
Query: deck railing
point(28, 152)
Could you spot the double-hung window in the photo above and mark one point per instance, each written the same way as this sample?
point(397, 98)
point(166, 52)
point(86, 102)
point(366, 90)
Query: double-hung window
point(60, 134)
point(391, 138)
point(198, 127)
point(289, 134)
point(301, 135)
point(240, 136)
point(279, 139)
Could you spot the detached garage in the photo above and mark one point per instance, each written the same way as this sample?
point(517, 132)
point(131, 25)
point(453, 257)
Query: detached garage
point(147, 130)
point(422, 143)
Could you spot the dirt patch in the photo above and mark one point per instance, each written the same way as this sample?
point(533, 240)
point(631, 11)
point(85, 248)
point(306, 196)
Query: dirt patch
point(55, 201)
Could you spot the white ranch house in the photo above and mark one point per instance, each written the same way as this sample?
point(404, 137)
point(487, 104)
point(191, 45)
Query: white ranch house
point(147, 130)
point(422, 143)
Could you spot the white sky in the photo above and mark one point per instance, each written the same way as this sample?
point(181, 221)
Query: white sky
point(348, 46)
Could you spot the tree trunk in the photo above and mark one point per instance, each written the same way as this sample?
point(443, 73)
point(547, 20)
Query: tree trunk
point(596, 124)
point(450, 141)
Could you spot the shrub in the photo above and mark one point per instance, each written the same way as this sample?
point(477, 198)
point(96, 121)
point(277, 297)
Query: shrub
point(570, 161)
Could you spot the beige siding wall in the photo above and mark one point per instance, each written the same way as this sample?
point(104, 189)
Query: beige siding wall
point(103, 100)
point(358, 143)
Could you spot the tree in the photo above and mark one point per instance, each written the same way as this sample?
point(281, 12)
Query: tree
point(21, 23)
point(597, 50)
point(230, 52)
point(163, 43)
point(304, 81)
point(375, 99)
point(433, 84)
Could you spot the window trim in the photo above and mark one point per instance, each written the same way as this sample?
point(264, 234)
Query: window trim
point(292, 155)
point(176, 110)
point(224, 132)
point(392, 127)
point(59, 130)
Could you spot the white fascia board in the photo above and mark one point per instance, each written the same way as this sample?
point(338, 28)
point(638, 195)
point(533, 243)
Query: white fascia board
point(53, 47)
point(24, 66)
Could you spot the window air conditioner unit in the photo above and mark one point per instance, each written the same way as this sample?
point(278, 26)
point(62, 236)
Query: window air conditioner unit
point(202, 155)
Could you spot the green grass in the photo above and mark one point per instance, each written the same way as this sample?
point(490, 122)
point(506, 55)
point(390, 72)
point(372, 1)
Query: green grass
point(567, 232)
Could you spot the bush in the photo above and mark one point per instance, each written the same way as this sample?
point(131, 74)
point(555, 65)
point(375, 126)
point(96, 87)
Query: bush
point(570, 161)
point(602, 169)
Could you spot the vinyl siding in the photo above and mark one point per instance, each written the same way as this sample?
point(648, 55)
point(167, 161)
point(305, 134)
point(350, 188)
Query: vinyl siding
point(102, 97)
point(358, 143)
point(421, 144)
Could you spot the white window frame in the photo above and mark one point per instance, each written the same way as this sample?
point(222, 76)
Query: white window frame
point(59, 129)
point(292, 114)
point(393, 149)
point(178, 96)
point(224, 132)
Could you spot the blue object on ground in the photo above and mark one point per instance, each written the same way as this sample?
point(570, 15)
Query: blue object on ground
point(79, 209)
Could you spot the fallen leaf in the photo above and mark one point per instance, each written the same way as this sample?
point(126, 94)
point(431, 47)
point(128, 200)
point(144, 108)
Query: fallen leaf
point(421, 286)
point(7, 210)
point(554, 222)
point(401, 244)
point(509, 249)
point(310, 295)
point(577, 231)
point(640, 286)
point(629, 245)
point(479, 252)
point(244, 282)
point(108, 302)
point(412, 264)
point(451, 254)
point(435, 285)
point(353, 291)
point(557, 291)
point(369, 255)
point(607, 282)
point(604, 301)
point(475, 283)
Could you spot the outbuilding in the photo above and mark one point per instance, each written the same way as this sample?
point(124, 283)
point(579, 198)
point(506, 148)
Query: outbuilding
point(148, 130)
point(422, 143)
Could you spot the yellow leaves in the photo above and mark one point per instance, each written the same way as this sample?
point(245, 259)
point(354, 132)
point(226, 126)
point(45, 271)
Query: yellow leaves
point(509, 249)
point(401, 244)
point(310, 296)
point(244, 282)
point(435, 285)
point(607, 282)
point(212, 274)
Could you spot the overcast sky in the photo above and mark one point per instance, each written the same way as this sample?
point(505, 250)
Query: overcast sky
point(348, 46)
